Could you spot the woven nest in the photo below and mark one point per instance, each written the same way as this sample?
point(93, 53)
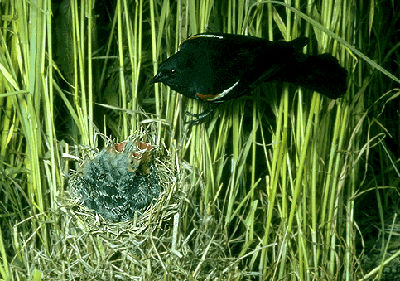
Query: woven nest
point(120, 180)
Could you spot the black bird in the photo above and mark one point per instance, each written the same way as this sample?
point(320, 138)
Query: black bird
point(216, 67)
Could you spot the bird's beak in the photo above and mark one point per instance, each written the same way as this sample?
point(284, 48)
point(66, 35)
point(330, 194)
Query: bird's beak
point(156, 79)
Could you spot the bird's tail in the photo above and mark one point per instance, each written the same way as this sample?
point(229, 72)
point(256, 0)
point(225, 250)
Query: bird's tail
point(321, 73)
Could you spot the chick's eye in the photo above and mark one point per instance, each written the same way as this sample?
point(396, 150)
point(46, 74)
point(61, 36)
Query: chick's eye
point(173, 71)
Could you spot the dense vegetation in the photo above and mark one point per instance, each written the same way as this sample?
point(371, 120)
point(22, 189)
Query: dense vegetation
point(281, 184)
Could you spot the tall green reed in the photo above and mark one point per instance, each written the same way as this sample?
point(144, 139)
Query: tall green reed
point(282, 190)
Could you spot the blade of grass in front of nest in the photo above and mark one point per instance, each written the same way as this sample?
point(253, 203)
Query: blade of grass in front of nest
point(88, 13)
point(82, 58)
point(175, 112)
point(131, 39)
point(120, 24)
point(80, 111)
point(80, 45)
point(154, 57)
point(162, 30)
point(135, 55)
point(167, 99)
point(173, 99)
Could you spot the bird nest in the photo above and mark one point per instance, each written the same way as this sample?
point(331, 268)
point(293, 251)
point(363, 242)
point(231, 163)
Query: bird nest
point(123, 180)
point(120, 180)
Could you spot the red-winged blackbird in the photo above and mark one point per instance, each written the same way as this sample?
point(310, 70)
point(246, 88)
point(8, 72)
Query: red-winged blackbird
point(216, 67)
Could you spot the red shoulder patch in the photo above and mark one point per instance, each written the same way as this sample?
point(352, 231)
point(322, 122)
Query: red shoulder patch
point(208, 97)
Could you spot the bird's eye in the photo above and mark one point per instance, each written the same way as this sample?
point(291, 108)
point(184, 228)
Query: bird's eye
point(173, 71)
